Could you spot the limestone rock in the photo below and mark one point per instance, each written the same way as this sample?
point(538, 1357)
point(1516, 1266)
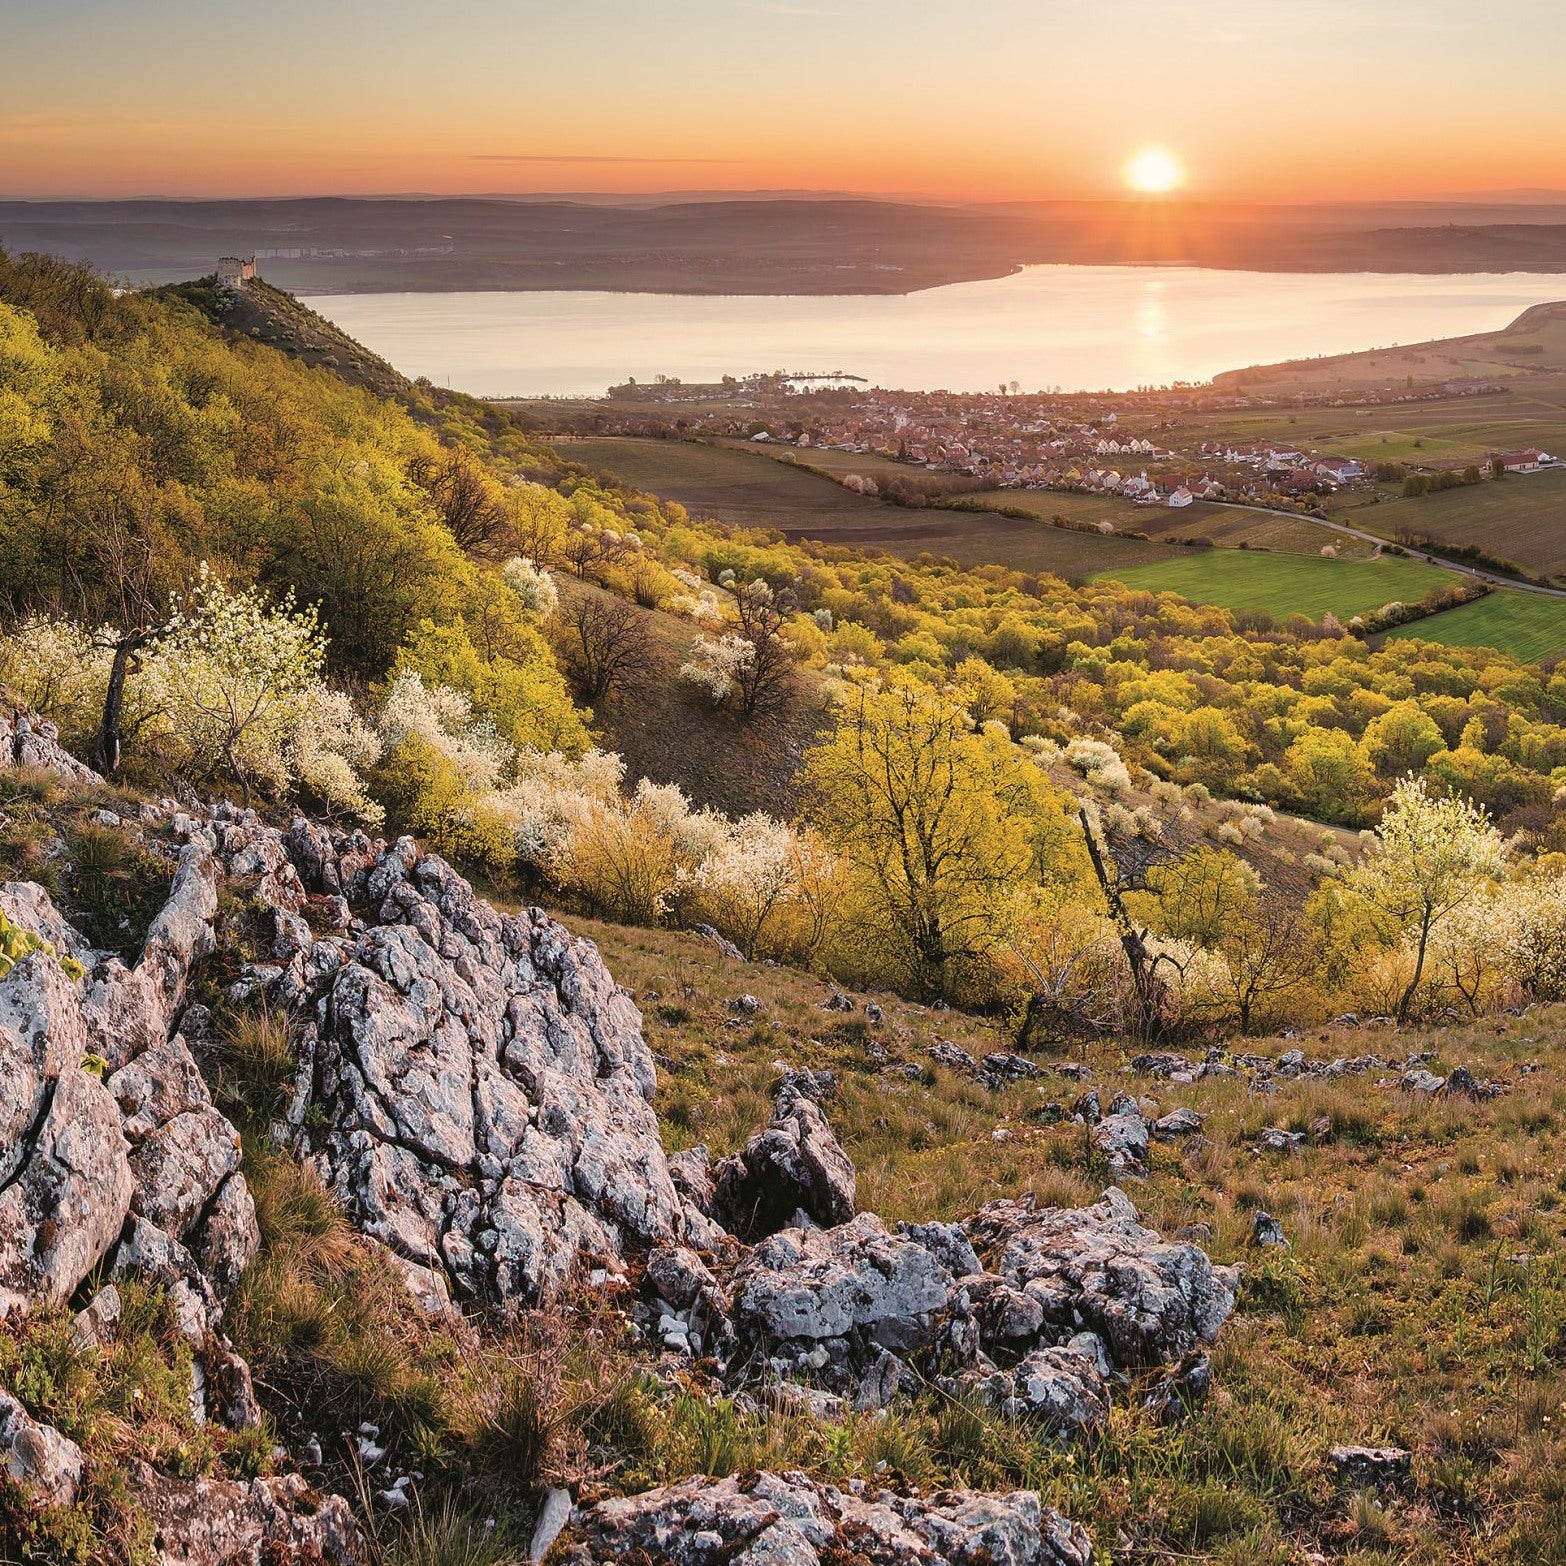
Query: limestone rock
point(768, 1519)
point(795, 1164)
point(37, 1456)
point(1121, 1136)
point(97, 1324)
point(226, 1240)
point(485, 1088)
point(1367, 1465)
point(1149, 1299)
point(1176, 1124)
point(803, 1288)
point(67, 1201)
point(1267, 1233)
point(29, 741)
point(228, 1522)
point(1061, 1389)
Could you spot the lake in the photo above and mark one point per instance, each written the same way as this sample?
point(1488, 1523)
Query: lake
point(1080, 328)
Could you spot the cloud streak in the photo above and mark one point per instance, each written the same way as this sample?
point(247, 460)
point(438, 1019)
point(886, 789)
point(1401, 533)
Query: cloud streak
point(580, 157)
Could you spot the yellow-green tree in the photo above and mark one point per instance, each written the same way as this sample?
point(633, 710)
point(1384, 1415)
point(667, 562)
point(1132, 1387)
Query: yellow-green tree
point(1431, 856)
point(939, 826)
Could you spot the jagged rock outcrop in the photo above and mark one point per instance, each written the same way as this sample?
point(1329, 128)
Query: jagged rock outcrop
point(29, 741)
point(111, 1149)
point(228, 1522)
point(1098, 1268)
point(794, 1165)
point(768, 1519)
point(833, 1300)
point(480, 1085)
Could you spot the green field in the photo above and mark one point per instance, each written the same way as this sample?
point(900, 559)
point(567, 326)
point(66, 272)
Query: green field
point(1520, 518)
point(1524, 624)
point(1282, 585)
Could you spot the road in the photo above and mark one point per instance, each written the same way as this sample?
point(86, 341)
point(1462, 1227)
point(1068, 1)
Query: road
point(1494, 579)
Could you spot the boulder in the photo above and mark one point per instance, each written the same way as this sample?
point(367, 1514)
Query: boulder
point(1150, 1300)
point(1361, 1466)
point(97, 1324)
point(1276, 1140)
point(1062, 1390)
point(1267, 1233)
point(769, 1519)
point(47, 1464)
point(1121, 1136)
point(231, 1522)
point(32, 742)
point(839, 1290)
point(1178, 1123)
point(794, 1165)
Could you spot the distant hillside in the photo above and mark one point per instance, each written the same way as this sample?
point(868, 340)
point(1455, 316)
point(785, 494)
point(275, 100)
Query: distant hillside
point(335, 245)
point(1532, 345)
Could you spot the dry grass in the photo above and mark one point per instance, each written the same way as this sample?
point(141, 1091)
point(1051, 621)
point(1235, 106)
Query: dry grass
point(1422, 1301)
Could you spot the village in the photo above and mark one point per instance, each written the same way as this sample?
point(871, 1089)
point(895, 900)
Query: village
point(1142, 447)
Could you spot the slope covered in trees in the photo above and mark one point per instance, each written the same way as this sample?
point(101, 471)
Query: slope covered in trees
point(226, 567)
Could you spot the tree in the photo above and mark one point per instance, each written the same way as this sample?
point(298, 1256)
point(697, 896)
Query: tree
point(1269, 950)
point(761, 682)
point(1402, 740)
point(1203, 893)
point(1429, 857)
point(468, 501)
point(939, 826)
point(603, 642)
point(1151, 989)
point(234, 674)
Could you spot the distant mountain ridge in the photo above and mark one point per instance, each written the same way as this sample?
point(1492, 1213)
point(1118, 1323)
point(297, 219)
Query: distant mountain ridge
point(820, 245)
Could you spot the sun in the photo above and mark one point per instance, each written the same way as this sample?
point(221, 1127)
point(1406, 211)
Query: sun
point(1154, 171)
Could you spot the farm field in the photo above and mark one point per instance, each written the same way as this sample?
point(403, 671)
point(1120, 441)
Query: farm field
point(1520, 518)
point(1282, 585)
point(738, 486)
point(1524, 624)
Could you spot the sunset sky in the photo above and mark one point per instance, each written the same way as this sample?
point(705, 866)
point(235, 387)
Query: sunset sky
point(982, 99)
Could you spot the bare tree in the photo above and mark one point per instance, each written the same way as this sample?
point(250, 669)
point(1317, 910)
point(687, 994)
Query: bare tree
point(603, 642)
point(1151, 989)
point(117, 578)
point(763, 683)
point(474, 510)
point(1269, 953)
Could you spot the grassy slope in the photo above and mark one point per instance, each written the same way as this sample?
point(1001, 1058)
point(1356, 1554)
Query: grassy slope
point(1421, 1303)
point(670, 736)
point(271, 316)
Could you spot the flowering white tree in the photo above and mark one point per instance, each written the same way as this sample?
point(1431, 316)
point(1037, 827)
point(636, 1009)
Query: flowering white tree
point(442, 718)
point(331, 750)
point(1430, 857)
point(716, 665)
point(534, 587)
point(234, 674)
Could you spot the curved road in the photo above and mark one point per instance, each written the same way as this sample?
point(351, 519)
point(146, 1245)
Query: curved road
point(1494, 579)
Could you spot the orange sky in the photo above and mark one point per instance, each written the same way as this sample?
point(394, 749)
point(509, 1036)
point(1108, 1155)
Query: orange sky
point(988, 99)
